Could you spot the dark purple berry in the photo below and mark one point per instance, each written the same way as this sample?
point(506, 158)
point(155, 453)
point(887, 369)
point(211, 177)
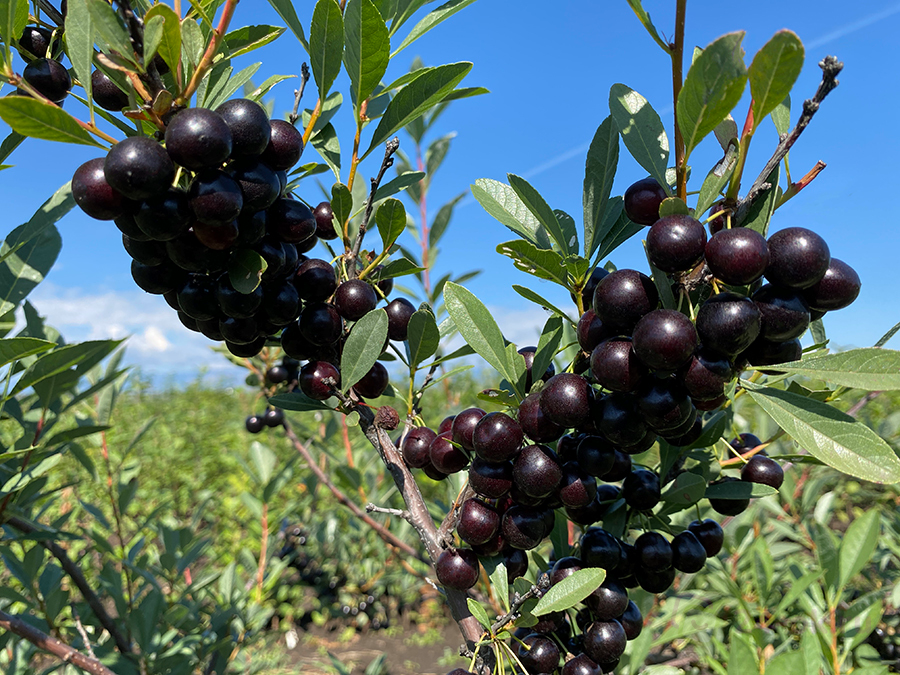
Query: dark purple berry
point(615, 366)
point(415, 447)
point(354, 298)
point(728, 507)
point(106, 93)
point(315, 280)
point(254, 424)
point(631, 621)
point(605, 641)
point(641, 490)
point(260, 186)
point(619, 419)
point(539, 654)
point(457, 568)
point(463, 428)
point(837, 289)
point(291, 221)
point(216, 198)
point(566, 400)
point(400, 311)
point(523, 527)
point(312, 379)
point(497, 437)
point(138, 167)
point(94, 194)
point(536, 425)
point(479, 522)
point(710, 535)
point(49, 77)
point(655, 582)
point(688, 554)
point(325, 221)
point(608, 601)
point(728, 323)
point(374, 383)
point(285, 146)
point(623, 297)
point(490, 480)
point(249, 125)
point(784, 314)
point(198, 138)
point(165, 216)
point(737, 256)
point(537, 471)
point(676, 243)
point(578, 488)
point(763, 470)
point(664, 339)
point(798, 258)
point(528, 355)
point(445, 456)
point(600, 549)
point(642, 201)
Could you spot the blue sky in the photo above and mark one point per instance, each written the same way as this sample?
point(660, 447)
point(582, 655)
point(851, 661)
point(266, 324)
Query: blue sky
point(549, 72)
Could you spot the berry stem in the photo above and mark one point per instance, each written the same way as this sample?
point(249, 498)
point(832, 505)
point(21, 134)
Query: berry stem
point(677, 51)
point(734, 185)
point(794, 188)
point(354, 160)
point(206, 60)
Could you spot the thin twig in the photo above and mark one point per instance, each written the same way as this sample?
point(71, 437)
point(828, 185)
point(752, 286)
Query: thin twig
point(206, 60)
point(536, 591)
point(400, 513)
point(298, 93)
point(50, 644)
point(831, 68)
point(82, 632)
point(51, 11)
point(451, 520)
point(78, 579)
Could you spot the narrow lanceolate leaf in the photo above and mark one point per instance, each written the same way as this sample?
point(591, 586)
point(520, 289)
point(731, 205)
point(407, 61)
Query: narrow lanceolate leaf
point(80, 41)
point(13, 349)
point(781, 115)
point(641, 130)
point(24, 269)
point(599, 172)
point(363, 347)
point(367, 47)
point(570, 591)
point(442, 221)
point(326, 143)
point(170, 45)
point(245, 270)
point(110, 29)
point(715, 181)
point(51, 211)
point(416, 98)
point(774, 71)
point(391, 220)
point(478, 612)
point(298, 402)
point(616, 229)
point(541, 210)
point(37, 119)
point(398, 184)
point(858, 544)
point(326, 44)
point(341, 204)
point(153, 32)
point(404, 11)
point(62, 359)
point(423, 336)
point(542, 302)
point(477, 326)
point(538, 262)
point(870, 368)
point(502, 202)
point(644, 17)
point(547, 345)
point(285, 9)
point(761, 210)
point(431, 20)
point(712, 88)
point(830, 435)
point(13, 19)
point(246, 39)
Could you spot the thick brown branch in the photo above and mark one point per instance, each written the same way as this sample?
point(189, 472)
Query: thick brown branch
point(831, 68)
point(50, 644)
point(78, 579)
point(382, 531)
point(451, 520)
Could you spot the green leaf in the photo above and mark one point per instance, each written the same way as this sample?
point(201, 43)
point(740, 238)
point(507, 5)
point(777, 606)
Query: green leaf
point(398, 268)
point(62, 359)
point(616, 229)
point(662, 283)
point(13, 19)
point(244, 40)
point(192, 42)
point(544, 214)
point(738, 490)
point(80, 41)
point(644, 18)
point(477, 326)
point(398, 184)
point(416, 98)
point(529, 294)
point(367, 47)
point(715, 181)
point(13, 349)
point(431, 20)
point(423, 336)
point(599, 172)
point(858, 545)
point(326, 143)
point(24, 269)
point(559, 536)
point(760, 212)
point(502, 202)
point(548, 343)
point(774, 71)
point(781, 115)
point(871, 368)
point(71, 434)
point(830, 435)
point(391, 220)
point(687, 488)
point(326, 44)
point(341, 204)
point(500, 581)
point(110, 29)
point(36, 119)
point(570, 591)
point(478, 612)
point(672, 206)
point(297, 402)
point(442, 220)
point(51, 211)
point(712, 88)
point(642, 131)
point(742, 655)
point(404, 10)
point(541, 263)
point(266, 86)
point(246, 269)
point(153, 33)
point(363, 347)
point(285, 9)
point(9, 144)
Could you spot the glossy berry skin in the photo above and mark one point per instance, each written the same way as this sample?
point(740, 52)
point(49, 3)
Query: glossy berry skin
point(642, 200)
point(536, 425)
point(763, 470)
point(664, 339)
point(254, 424)
point(354, 298)
point(665, 405)
point(312, 376)
point(631, 621)
point(291, 221)
point(239, 331)
point(582, 664)
point(457, 568)
point(798, 258)
point(260, 186)
point(619, 419)
point(446, 457)
point(837, 289)
point(523, 527)
point(106, 93)
point(479, 522)
point(608, 601)
point(537, 471)
point(528, 355)
point(595, 455)
point(321, 324)
point(157, 279)
point(374, 383)
point(676, 243)
point(784, 313)
point(274, 417)
point(623, 297)
point(235, 304)
point(497, 437)
point(247, 350)
point(615, 366)
point(564, 568)
point(605, 641)
point(399, 311)
point(315, 280)
point(463, 427)
point(737, 256)
point(35, 42)
point(415, 447)
point(745, 442)
point(325, 221)
point(49, 77)
point(285, 146)
point(641, 490)
point(688, 554)
point(165, 216)
point(600, 549)
point(93, 194)
point(653, 551)
point(490, 480)
point(145, 252)
point(277, 375)
point(197, 298)
point(728, 507)
point(655, 582)
point(767, 353)
point(587, 294)
point(566, 400)
point(728, 323)
point(591, 331)
point(710, 535)
point(215, 198)
point(249, 125)
point(198, 138)
point(705, 375)
point(578, 488)
point(567, 446)
point(539, 654)
point(139, 167)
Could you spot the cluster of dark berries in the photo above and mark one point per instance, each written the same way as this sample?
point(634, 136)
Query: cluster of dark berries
point(886, 639)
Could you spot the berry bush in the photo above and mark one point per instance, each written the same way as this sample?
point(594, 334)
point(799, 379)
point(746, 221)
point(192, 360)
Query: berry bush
point(597, 470)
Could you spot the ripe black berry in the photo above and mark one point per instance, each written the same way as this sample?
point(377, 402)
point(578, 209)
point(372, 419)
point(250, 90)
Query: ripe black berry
point(216, 198)
point(665, 404)
point(354, 298)
point(291, 220)
point(197, 298)
point(539, 654)
point(784, 314)
point(566, 400)
point(728, 323)
point(415, 446)
point(164, 216)
point(619, 419)
point(578, 488)
point(277, 375)
point(399, 312)
point(655, 582)
point(605, 641)
point(537, 471)
point(737, 256)
point(312, 379)
point(235, 304)
point(497, 437)
point(623, 297)
point(590, 331)
point(710, 535)
point(94, 194)
point(157, 279)
point(139, 167)
point(631, 621)
point(106, 93)
point(254, 424)
point(536, 425)
point(321, 324)
point(198, 138)
point(523, 527)
point(676, 243)
point(600, 549)
point(285, 146)
point(595, 455)
point(249, 125)
point(608, 601)
point(836, 290)
point(490, 480)
point(35, 42)
point(145, 252)
point(274, 417)
point(641, 489)
point(445, 456)
point(728, 507)
point(582, 664)
point(479, 522)
point(664, 339)
point(706, 374)
point(564, 568)
point(797, 258)
point(457, 568)
point(528, 355)
point(688, 554)
point(373, 383)
point(767, 353)
point(260, 186)
point(764, 470)
point(642, 200)
point(615, 366)
point(325, 221)
point(49, 77)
